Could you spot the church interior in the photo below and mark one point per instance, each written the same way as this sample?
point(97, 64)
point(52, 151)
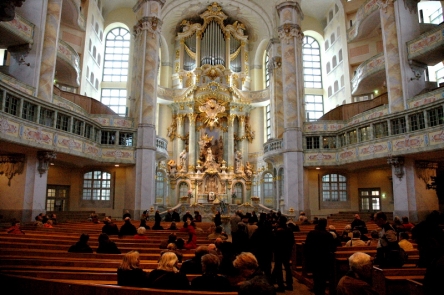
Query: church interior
point(320, 106)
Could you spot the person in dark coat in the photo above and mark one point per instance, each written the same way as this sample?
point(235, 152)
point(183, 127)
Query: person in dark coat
point(128, 229)
point(109, 228)
point(197, 216)
point(129, 272)
point(187, 216)
point(217, 219)
point(283, 246)
point(81, 246)
point(176, 216)
point(318, 251)
point(168, 216)
point(167, 276)
point(157, 220)
point(210, 280)
point(106, 246)
point(194, 265)
point(261, 245)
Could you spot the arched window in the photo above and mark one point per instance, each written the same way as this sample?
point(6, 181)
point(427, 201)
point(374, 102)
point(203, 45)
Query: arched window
point(96, 28)
point(340, 55)
point(96, 84)
point(334, 61)
point(90, 45)
point(330, 91)
point(115, 69)
point(160, 186)
point(332, 38)
point(334, 188)
point(268, 120)
point(99, 57)
point(92, 20)
point(314, 107)
point(326, 44)
point(91, 79)
point(94, 51)
point(268, 189)
point(87, 72)
point(267, 74)
point(183, 189)
point(239, 191)
point(336, 8)
point(311, 58)
point(342, 81)
point(101, 35)
point(328, 67)
point(338, 31)
point(330, 15)
point(336, 86)
point(96, 186)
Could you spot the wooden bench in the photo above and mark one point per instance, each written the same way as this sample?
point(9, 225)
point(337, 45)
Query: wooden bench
point(24, 285)
point(390, 281)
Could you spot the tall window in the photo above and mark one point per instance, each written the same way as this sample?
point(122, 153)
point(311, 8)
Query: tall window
point(160, 186)
point(311, 58)
point(268, 186)
point(115, 69)
point(267, 74)
point(238, 190)
point(334, 187)
point(97, 186)
point(183, 189)
point(314, 107)
point(268, 120)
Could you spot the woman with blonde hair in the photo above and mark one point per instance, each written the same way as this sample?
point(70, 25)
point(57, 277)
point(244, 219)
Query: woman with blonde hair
point(129, 272)
point(167, 276)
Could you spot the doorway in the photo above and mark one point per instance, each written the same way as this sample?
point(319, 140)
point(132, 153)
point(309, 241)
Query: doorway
point(57, 197)
point(369, 199)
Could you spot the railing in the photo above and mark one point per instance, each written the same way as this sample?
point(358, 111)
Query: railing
point(161, 145)
point(367, 68)
point(426, 42)
point(20, 27)
point(273, 145)
point(365, 11)
point(69, 55)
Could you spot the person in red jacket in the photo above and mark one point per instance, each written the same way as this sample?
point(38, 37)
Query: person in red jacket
point(190, 228)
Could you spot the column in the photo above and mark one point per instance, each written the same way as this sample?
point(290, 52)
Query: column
point(290, 35)
point(49, 52)
point(192, 143)
point(410, 195)
point(146, 66)
point(276, 102)
point(230, 162)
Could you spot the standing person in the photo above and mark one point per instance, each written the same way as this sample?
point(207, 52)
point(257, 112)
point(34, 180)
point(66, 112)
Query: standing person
point(283, 246)
point(168, 216)
point(261, 245)
point(175, 216)
point(318, 251)
point(234, 220)
point(187, 216)
point(157, 220)
point(81, 246)
point(106, 246)
point(217, 219)
point(129, 272)
point(167, 276)
point(356, 281)
point(359, 224)
point(128, 229)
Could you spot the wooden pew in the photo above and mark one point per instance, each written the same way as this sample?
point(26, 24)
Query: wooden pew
point(23, 285)
point(389, 281)
point(415, 287)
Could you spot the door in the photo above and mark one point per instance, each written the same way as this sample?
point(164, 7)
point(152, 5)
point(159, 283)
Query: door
point(57, 197)
point(369, 199)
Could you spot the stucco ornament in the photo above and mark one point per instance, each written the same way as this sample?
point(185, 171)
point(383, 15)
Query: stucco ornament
point(288, 31)
point(211, 108)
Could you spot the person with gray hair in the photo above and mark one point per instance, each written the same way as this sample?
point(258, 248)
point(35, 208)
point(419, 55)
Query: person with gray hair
point(356, 281)
point(210, 280)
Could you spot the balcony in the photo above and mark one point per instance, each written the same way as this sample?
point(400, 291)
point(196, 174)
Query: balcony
point(369, 75)
point(366, 23)
point(427, 48)
point(161, 149)
point(16, 34)
point(68, 65)
point(273, 149)
point(72, 15)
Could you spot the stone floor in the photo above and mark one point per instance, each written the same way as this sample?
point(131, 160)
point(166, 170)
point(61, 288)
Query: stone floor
point(298, 289)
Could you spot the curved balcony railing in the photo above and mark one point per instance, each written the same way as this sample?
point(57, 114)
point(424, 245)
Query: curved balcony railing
point(71, 58)
point(273, 145)
point(161, 149)
point(369, 67)
point(428, 48)
point(22, 32)
point(365, 11)
point(72, 14)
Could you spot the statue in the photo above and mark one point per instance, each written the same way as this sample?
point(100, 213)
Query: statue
point(172, 168)
point(210, 158)
point(248, 169)
point(238, 162)
point(183, 161)
point(171, 131)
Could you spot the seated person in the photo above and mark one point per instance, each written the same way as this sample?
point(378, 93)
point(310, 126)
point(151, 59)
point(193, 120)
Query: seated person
point(373, 242)
point(407, 224)
point(171, 239)
point(48, 224)
point(129, 272)
point(359, 224)
point(217, 234)
point(197, 216)
point(194, 265)
point(81, 246)
point(210, 281)
point(404, 242)
point(106, 246)
point(173, 248)
point(15, 229)
point(346, 233)
point(356, 240)
point(356, 281)
point(167, 276)
point(109, 228)
point(303, 218)
point(141, 234)
point(127, 229)
point(250, 274)
point(173, 226)
point(389, 254)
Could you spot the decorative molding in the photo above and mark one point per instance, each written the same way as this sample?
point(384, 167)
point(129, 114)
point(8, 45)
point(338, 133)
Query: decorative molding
point(426, 170)
point(383, 4)
point(150, 24)
point(287, 32)
point(398, 164)
point(417, 69)
point(11, 165)
point(45, 159)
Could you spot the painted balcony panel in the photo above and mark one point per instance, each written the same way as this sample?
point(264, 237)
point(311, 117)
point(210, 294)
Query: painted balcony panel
point(369, 75)
point(428, 48)
point(17, 32)
point(68, 65)
point(367, 22)
point(72, 15)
